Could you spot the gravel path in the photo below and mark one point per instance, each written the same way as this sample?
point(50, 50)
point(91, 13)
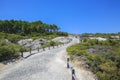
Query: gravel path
point(47, 65)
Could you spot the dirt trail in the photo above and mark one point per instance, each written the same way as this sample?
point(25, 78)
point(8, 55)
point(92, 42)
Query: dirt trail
point(47, 65)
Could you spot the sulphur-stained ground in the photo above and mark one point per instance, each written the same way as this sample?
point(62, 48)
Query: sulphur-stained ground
point(46, 65)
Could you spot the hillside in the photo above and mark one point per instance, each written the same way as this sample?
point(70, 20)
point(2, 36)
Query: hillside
point(24, 28)
point(101, 55)
point(18, 35)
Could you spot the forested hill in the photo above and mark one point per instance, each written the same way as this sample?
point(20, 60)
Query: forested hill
point(33, 35)
point(25, 27)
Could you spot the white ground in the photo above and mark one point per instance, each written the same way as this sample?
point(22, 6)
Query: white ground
point(47, 65)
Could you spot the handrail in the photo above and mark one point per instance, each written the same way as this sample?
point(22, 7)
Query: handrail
point(38, 49)
point(72, 70)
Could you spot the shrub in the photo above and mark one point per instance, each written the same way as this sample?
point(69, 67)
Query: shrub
point(8, 51)
point(106, 64)
point(51, 43)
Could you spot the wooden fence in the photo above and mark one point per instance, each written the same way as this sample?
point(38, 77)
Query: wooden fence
point(31, 52)
point(72, 70)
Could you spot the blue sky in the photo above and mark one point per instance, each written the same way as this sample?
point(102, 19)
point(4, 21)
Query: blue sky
point(73, 16)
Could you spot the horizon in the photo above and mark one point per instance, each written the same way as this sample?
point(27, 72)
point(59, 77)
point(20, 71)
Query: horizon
point(72, 16)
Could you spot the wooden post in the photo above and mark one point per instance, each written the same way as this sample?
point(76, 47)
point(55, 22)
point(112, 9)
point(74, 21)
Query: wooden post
point(68, 63)
point(73, 73)
point(21, 53)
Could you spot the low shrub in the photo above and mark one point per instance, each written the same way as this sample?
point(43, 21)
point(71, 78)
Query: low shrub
point(8, 51)
point(106, 64)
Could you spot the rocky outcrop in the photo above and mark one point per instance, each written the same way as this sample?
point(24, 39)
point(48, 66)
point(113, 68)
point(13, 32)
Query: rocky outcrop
point(62, 39)
point(5, 40)
point(98, 38)
point(33, 44)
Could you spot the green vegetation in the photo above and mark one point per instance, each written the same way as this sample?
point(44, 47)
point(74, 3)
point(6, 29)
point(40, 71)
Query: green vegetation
point(11, 31)
point(102, 57)
point(9, 50)
point(104, 35)
point(31, 29)
point(51, 43)
point(14, 30)
point(11, 37)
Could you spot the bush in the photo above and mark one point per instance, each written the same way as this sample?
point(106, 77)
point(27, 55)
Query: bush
point(14, 38)
point(52, 43)
point(8, 51)
point(11, 37)
point(106, 64)
point(103, 76)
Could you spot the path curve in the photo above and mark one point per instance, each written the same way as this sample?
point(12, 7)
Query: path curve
point(47, 65)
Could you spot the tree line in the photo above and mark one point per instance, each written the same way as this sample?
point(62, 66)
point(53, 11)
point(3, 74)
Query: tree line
point(106, 35)
point(11, 31)
point(25, 27)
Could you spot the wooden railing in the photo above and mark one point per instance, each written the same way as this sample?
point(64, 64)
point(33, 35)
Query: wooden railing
point(38, 50)
point(72, 70)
